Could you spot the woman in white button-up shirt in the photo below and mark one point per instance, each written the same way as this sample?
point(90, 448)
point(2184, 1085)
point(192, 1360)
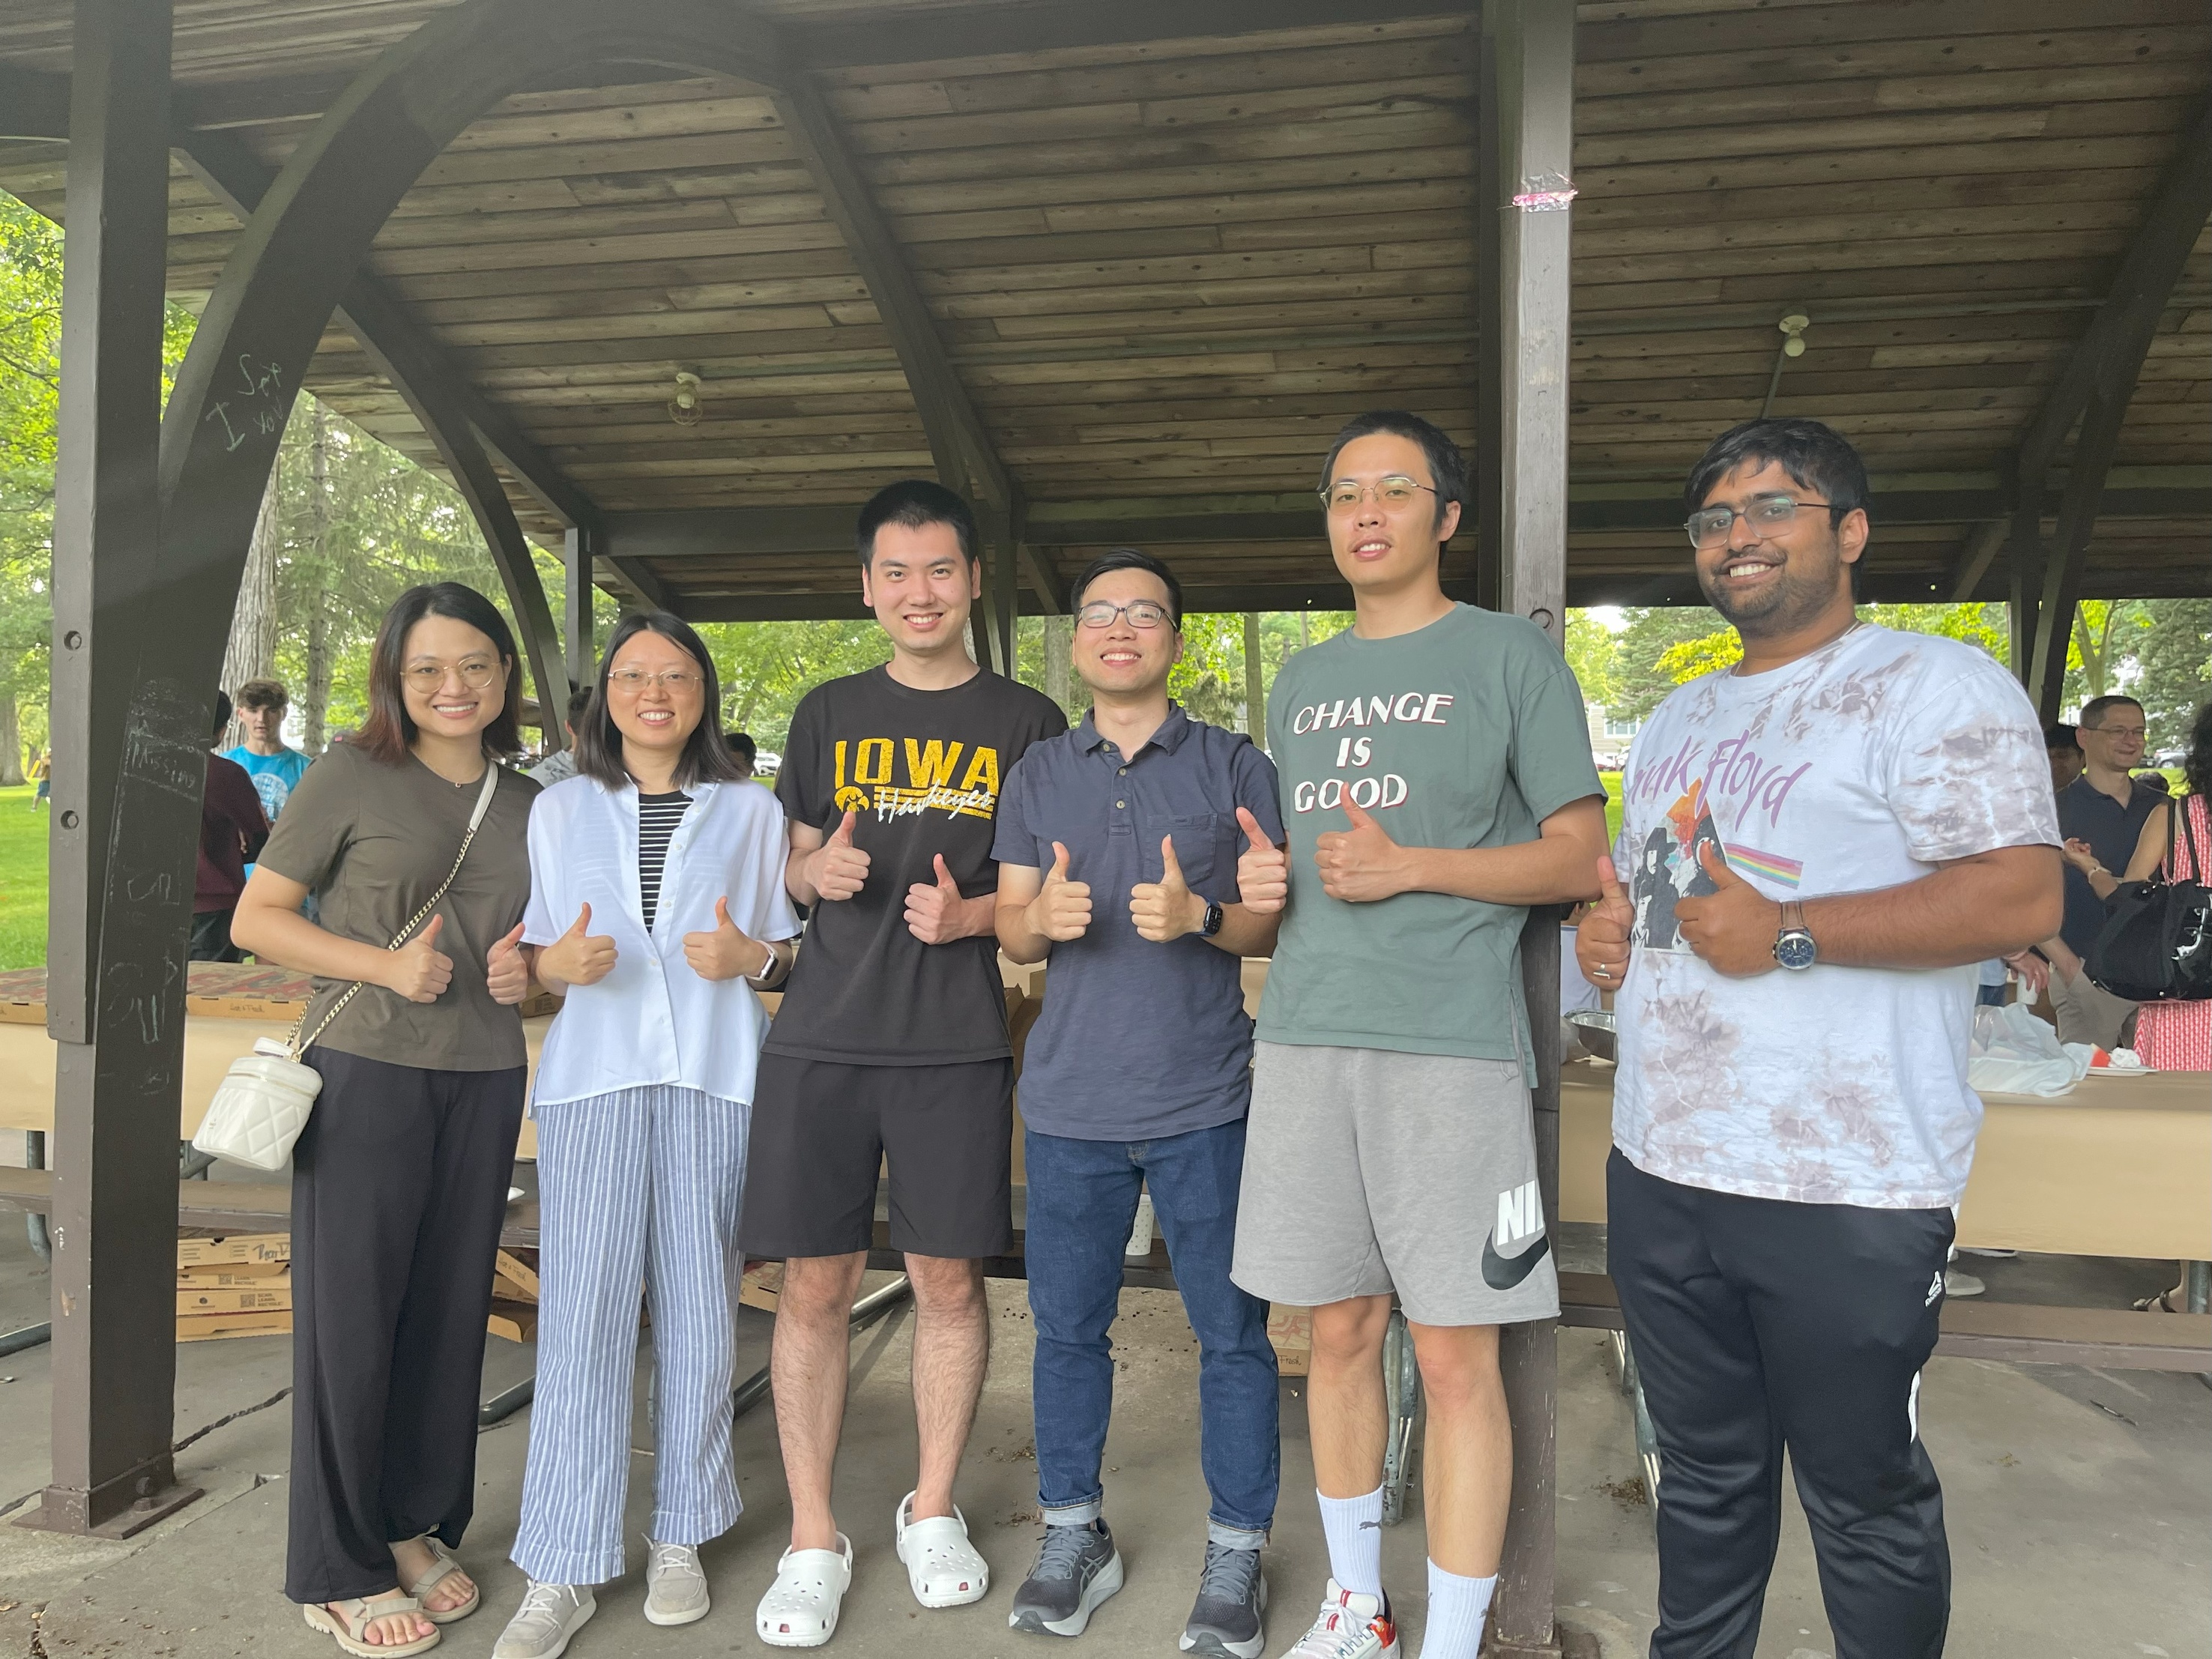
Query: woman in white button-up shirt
point(658, 908)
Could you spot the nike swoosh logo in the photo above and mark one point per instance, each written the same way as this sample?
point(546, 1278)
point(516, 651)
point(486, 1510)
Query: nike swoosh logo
point(1503, 1273)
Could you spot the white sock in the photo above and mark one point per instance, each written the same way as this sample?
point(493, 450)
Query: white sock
point(1457, 1608)
point(1353, 1526)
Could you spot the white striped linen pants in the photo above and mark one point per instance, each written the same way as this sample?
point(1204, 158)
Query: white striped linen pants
point(640, 1187)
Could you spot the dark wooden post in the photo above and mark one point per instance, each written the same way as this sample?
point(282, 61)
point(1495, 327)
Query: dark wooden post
point(126, 749)
point(1527, 128)
point(578, 627)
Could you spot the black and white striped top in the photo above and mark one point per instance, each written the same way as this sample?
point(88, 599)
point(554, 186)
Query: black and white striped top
point(657, 818)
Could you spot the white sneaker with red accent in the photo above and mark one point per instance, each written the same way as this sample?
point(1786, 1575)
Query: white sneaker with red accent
point(1349, 1627)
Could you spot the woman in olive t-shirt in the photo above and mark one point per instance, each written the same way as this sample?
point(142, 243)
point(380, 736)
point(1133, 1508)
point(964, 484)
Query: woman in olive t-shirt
point(399, 1178)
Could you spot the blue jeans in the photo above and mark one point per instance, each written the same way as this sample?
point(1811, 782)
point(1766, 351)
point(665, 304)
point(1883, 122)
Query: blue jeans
point(1082, 1203)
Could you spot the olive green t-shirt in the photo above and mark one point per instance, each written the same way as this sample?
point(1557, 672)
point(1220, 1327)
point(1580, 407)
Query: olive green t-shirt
point(374, 841)
point(1467, 732)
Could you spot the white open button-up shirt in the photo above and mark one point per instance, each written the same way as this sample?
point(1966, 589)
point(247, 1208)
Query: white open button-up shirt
point(653, 1020)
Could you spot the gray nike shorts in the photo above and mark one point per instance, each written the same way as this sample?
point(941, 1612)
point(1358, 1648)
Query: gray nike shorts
point(1368, 1171)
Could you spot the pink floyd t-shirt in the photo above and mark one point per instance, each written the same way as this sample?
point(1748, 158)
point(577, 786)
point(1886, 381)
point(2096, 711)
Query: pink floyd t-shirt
point(1864, 765)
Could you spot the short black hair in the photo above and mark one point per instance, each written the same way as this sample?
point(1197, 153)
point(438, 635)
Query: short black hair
point(2093, 712)
point(706, 758)
point(742, 745)
point(1129, 558)
point(578, 701)
point(1447, 465)
point(915, 502)
point(221, 710)
point(1815, 454)
point(2059, 735)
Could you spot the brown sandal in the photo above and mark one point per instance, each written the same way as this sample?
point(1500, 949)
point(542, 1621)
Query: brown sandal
point(345, 1625)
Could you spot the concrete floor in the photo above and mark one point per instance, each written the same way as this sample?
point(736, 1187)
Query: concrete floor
point(2077, 1507)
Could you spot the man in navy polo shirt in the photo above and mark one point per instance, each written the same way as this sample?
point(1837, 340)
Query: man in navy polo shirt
point(1117, 846)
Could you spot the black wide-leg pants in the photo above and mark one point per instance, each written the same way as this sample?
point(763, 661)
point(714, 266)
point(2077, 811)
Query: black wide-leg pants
point(1761, 1325)
point(398, 1190)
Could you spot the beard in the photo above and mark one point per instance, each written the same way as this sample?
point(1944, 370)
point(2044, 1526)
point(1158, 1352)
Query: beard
point(1804, 586)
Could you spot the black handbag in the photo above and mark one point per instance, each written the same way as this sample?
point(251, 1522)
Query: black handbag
point(2156, 942)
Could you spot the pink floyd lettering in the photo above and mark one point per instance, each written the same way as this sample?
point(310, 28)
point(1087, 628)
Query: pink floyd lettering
point(1734, 791)
point(1349, 717)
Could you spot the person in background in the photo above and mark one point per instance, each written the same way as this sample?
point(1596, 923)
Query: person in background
point(890, 1047)
point(231, 829)
point(657, 910)
point(743, 748)
point(1437, 782)
point(1792, 1123)
point(2103, 815)
point(2064, 750)
point(399, 1180)
point(42, 773)
point(1138, 1076)
point(275, 769)
point(561, 765)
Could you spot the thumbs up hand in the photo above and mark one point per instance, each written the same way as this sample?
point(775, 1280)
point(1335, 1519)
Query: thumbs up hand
point(1166, 909)
point(1361, 864)
point(1734, 927)
point(506, 974)
point(418, 969)
point(725, 950)
point(935, 912)
point(1601, 938)
point(1263, 870)
point(579, 956)
point(1061, 909)
point(838, 869)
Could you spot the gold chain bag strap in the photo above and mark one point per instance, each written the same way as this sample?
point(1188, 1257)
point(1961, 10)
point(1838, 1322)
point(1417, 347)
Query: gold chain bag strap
point(263, 1099)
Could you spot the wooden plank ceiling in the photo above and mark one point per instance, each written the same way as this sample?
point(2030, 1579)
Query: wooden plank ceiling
point(1165, 271)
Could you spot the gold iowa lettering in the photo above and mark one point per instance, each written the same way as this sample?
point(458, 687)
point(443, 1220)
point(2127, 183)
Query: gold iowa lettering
point(864, 768)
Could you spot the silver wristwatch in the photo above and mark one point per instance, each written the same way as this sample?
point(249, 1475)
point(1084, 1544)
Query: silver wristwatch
point(1793, 946)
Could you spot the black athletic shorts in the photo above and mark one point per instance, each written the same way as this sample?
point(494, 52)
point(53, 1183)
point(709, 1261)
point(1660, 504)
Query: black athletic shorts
point(822, 1131)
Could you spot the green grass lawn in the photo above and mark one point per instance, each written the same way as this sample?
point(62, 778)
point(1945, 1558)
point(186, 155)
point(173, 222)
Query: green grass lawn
point(22, 879)
point(1611, 782)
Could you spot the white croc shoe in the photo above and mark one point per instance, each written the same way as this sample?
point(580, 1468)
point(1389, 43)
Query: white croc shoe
point(941, 1565)
point(800, 1608)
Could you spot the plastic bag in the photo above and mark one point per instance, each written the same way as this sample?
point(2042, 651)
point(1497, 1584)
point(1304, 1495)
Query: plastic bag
point(2013, 1052)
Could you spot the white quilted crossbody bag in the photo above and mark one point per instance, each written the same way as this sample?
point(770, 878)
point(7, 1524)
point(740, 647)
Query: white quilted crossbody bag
point(263, 1102)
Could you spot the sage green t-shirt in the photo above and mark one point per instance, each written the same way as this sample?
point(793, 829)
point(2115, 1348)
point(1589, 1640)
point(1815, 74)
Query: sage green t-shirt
point(1468, 732)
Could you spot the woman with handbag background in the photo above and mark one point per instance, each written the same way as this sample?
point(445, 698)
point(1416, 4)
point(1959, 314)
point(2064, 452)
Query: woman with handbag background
point(413, 839)
point(658, 908)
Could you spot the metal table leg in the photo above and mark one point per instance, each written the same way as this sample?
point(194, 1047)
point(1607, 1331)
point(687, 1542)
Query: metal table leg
point(1401, 1393)
point(1647, 1437)
point(35, 1158)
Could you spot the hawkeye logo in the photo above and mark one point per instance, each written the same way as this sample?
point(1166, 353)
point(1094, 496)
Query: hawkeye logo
point(867, 766)
point(1519, 1217)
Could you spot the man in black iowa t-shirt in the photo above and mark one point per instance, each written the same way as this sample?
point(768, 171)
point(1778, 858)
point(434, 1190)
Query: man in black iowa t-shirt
point(890, 1044)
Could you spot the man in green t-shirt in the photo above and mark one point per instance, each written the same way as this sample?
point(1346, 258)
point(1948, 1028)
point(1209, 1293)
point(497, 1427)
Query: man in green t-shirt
point(1437, 781)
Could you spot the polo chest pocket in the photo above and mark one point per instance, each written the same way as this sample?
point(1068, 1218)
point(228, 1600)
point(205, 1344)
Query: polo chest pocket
point(1205, 846)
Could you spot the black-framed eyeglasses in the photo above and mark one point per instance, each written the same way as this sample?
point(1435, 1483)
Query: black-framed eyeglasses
point(1767, 515)
point(1394, 491)
point(1142, 613)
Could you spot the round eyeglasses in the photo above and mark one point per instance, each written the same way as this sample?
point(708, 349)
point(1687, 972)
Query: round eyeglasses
point(1141, 613)
point(476, 674)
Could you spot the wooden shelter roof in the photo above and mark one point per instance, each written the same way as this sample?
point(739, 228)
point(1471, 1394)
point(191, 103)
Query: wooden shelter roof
point(1167, 249)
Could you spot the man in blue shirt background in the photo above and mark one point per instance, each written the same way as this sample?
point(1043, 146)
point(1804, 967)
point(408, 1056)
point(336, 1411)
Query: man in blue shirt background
point(1117, 846)
point(275, 769)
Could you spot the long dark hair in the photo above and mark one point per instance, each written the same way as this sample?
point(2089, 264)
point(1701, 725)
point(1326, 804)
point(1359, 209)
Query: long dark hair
point(2196, 764)
point(388, 734)
point(705, 757)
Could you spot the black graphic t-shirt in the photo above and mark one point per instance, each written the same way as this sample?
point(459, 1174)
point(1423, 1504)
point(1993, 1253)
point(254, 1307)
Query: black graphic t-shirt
point(920, 771)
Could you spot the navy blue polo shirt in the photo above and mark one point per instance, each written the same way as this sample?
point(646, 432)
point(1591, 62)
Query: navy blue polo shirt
point(2087, 813)
point(1138, 1040)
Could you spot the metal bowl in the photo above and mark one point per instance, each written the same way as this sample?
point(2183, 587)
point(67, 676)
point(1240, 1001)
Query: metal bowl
point(1593, 1030)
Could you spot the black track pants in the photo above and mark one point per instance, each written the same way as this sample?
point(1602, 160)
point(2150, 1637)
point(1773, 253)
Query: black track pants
point(398, 1192)
point(1759, 1324)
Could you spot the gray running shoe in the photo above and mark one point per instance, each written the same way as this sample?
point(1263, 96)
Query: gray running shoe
point(1233, 1594)
point(549, 1616)
point(1077, 1568)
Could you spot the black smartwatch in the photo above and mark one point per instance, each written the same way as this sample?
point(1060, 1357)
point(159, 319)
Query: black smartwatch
point(1211, 924)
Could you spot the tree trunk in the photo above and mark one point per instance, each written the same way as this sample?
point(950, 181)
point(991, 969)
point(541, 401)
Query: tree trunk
point(251, 652)
point(315, 706)
point(1059, 633)
point(1255, 682)
point(11, 743)
point(315, 699)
